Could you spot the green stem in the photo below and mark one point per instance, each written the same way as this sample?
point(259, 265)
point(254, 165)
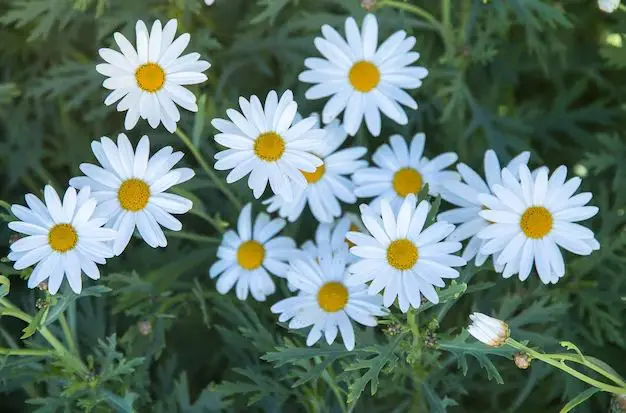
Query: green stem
point(207, 169)
point(411, 319)
point(72, 361)
point(208, 219)
point(443, 29)
point(588, 364)
point(193, 237)
point(333, 386)
point(26, 352)
point(567, 369)
point(67, 332)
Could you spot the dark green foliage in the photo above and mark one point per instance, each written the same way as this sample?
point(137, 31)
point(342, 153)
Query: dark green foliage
point(155, 336)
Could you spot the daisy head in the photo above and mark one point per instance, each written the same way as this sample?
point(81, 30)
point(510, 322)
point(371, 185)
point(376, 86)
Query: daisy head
point(363, 78)
point(131, 186)
point(325, 301)
point(328, 184)
point(488, 330)
point(149, 79)
point(333, 236)
point(61, 238)
point(402, 255)
point(249, 255)
point(402, 170)
point(464, 195)
point(266, 143)
point(531, 217)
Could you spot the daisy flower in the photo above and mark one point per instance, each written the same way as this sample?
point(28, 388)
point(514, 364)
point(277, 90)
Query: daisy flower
point(488, 330)
point(62, 239)
point(531, 218)
point(401, 256)
point(333, 236)
point(325, 301)
point(362, 78)
point(402, 170)
point(249, 255)
point(328, 184)
point(465, 195)
point(265, 143)
point(149, 80)
point(131, 186)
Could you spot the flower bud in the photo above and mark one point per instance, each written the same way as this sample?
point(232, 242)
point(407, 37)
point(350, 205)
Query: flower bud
point(522, 360)
point(488, 330)
point(608, 6)
point(145, 327)
point(368, 5)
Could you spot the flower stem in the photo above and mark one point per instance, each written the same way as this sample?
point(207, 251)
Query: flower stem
point(67, 332)
point(26, 352)
point(193, 237)
point(70, 359)
point(207, 169)
point(560, 364)
point(411, 319)
point(444, 28)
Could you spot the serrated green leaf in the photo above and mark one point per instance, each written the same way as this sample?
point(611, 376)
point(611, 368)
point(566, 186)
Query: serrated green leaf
point(5, 286)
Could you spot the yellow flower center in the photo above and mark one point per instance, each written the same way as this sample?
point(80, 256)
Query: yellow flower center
point(62, 237)
point(353, 228)
point(150, 77)
point(313, 177)
point(407, 181)
point(269, 146)
point(364, 76)
point(332, 297)
point(402, 254)
point(250, 255)
point(536, 222)
point(133, 194)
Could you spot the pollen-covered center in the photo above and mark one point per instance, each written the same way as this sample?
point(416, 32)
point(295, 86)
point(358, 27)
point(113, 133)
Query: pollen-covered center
point(536, 222)
point(402, 254)
point(269, 146)
point(313, 177)
point(150, 77)
point(250, 255)
point(133, 194)
point(62, 237)
point(407, 181)
point(332, 297)
point(364, 76)
point(353, 228)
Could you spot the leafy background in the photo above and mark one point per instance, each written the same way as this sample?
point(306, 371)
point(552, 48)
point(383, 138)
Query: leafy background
point(511, 75)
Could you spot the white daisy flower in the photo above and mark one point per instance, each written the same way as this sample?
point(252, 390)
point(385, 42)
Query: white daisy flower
point(328, 184)
point(265, 143)
point(401, 170)
point(531, 218)
point(131, 186)
point(333, 236)
point(326, 301)
point(488, 330)
point(362, 78)
point(608, 6)
point(149, 80)
point(62, 238)
point(465, 196)
point(401, 256)
point(249, 255)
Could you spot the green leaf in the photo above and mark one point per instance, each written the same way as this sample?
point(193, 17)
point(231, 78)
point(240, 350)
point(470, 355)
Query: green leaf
point(571, 346)
point(120, 404)
point(5, 286)
point(453, 292)
point(384, 355)
point(69, 297)
point(581, 398)
point(34, 324)
point(461, 349)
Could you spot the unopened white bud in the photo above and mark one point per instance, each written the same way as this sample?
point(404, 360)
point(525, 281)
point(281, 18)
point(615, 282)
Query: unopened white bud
point(488, 330)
